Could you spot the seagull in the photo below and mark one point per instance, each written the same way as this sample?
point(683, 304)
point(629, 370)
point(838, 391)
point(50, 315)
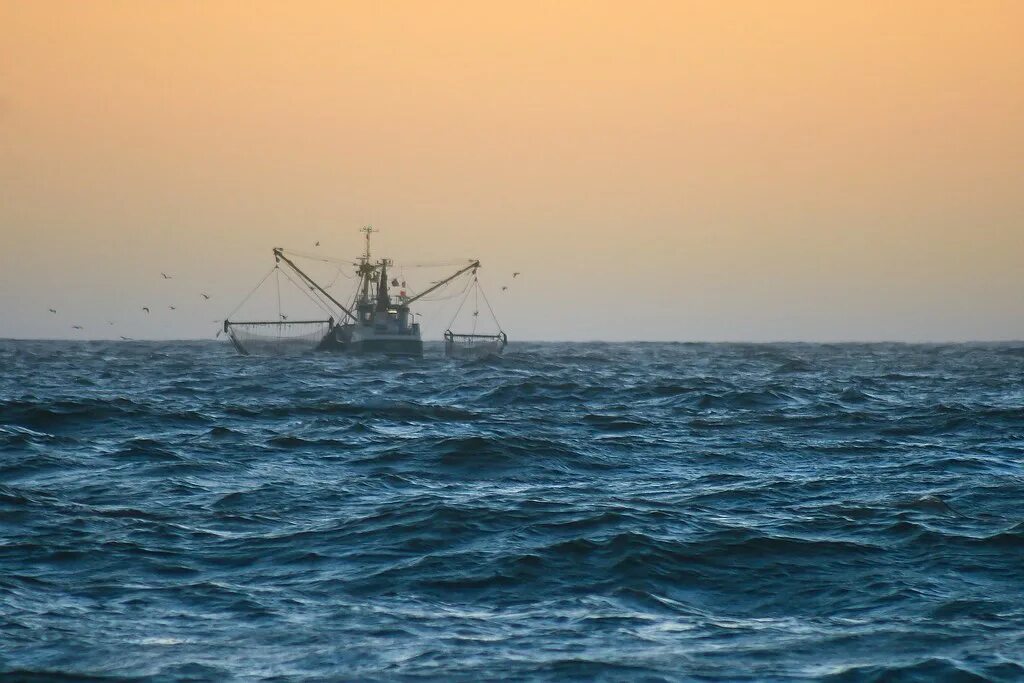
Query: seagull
point(504, 288)
point(476, 313)
point(515, 275)
point(124, 338)
point(172, 308)
point(76, 327)
point(146, 309)
point(317, 243)
point(283, 316)
point(205, 296)
point(166, 276)
point(53, 310)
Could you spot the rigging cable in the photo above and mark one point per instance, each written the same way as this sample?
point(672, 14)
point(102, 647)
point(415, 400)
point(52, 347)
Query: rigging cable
point(278, 278)
point(447, 297)
point(324, 259)
point(457, 311)
point(484, 295)
point(478, 291)
point(252, 291)
point(476, 303)
point(313, 295)
point(336, 278)
point(463, 262)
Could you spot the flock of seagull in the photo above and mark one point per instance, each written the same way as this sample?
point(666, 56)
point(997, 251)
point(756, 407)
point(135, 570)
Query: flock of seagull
point(206, 297)
point(165, 276)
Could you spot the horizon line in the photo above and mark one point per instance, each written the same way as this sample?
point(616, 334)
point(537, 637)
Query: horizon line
point(934, 342)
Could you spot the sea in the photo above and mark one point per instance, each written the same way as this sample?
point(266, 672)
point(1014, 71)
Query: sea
point(172, 511)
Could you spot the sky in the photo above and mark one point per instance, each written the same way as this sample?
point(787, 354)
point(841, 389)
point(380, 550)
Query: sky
point(822, 171)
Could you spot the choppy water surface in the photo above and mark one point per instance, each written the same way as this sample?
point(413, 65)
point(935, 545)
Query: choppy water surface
point(573, 511)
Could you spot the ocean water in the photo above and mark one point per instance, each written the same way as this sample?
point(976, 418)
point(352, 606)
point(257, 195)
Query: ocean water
point(172, 511)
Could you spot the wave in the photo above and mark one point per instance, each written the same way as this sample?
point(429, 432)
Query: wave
point(927, 670)
point(378, 409)
point(661, 511)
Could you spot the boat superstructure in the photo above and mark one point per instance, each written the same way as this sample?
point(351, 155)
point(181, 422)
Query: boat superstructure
point(379, 322)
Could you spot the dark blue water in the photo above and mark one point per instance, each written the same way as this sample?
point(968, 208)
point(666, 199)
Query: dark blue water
point(573, 511)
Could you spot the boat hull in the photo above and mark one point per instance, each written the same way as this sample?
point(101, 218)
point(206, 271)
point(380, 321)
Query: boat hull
point(388, 347)
point(344, 339)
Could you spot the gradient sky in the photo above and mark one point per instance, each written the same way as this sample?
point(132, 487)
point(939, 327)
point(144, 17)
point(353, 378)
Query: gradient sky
point(664, 171)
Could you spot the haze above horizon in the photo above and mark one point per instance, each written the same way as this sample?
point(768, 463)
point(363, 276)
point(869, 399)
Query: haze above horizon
point(674, 171)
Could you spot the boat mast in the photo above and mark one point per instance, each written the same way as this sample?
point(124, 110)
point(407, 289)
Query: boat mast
point(365, 269)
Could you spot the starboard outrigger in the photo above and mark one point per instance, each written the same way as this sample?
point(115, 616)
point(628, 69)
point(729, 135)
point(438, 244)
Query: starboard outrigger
point(376, 321)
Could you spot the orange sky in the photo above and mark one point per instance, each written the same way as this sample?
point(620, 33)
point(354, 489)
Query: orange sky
point(690, 171)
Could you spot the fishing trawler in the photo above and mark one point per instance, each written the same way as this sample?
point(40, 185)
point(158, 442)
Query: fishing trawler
point(375, 321)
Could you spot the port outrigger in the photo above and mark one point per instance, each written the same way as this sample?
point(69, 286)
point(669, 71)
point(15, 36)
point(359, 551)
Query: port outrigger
point(376, 321)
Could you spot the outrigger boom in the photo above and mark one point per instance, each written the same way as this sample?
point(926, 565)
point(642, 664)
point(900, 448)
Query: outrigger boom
point(279, 256)
point(472, 266)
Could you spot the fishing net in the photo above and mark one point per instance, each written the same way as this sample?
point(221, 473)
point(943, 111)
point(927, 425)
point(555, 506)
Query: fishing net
point(277, 338)
point(474, 345)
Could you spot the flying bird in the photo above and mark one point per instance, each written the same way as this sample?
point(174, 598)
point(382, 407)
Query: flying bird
point(146, 309)
point(53, 310)
point(172, 308)
point(124, 338)
point(317, 243)
point(166, 276)
point(110, 322)
point(504, 288)
point(76, 327)
point(515, 275)
point(283, 316)
point(205, 296)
